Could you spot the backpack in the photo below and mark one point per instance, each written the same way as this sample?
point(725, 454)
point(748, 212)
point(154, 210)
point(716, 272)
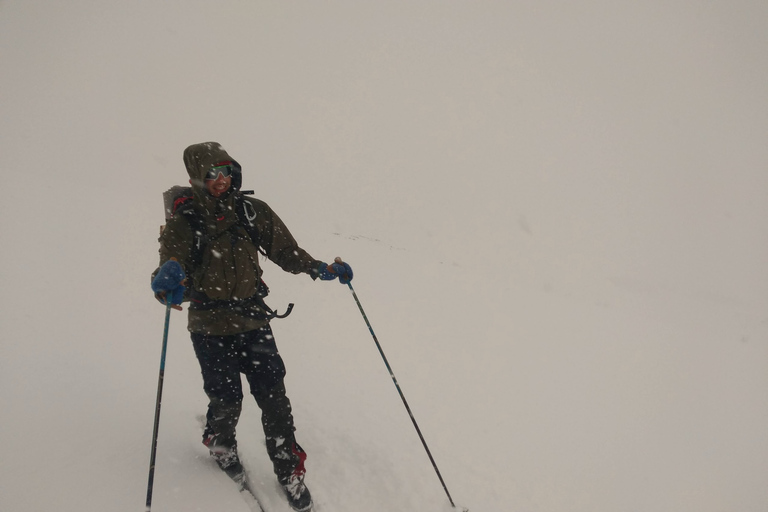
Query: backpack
point(178, 201)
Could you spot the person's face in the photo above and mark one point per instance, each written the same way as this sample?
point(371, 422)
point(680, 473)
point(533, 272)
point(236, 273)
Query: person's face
point(219, 179)
point(218, 186)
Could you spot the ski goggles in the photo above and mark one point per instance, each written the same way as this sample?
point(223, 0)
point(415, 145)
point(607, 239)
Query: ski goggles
point(225, 170)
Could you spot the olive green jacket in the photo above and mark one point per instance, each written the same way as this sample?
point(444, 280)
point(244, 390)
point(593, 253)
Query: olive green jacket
point(224, 285)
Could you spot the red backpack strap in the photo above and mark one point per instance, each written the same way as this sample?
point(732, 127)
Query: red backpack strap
point(179, 202)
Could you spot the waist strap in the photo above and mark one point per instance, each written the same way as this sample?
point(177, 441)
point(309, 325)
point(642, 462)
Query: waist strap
point(199, 301)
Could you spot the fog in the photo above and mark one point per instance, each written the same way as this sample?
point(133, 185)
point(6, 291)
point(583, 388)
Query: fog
point(556, 213)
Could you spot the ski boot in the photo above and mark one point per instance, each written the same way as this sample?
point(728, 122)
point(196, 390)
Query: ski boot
point(297, 492)
point(227, 459)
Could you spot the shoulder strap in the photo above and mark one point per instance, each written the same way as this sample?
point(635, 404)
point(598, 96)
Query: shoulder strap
point(196, 224)
point(246, 216)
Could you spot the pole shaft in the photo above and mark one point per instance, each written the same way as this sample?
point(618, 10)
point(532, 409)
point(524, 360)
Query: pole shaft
point(158, 401)
point(402, 396)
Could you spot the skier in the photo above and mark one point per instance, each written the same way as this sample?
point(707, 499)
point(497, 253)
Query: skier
point(215, 239)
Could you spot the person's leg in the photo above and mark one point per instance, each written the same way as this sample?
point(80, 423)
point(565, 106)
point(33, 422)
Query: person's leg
point(218, 358)
point(265, 376)
point(285, 453)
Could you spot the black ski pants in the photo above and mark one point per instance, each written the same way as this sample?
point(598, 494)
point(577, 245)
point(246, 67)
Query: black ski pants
point(222, 359)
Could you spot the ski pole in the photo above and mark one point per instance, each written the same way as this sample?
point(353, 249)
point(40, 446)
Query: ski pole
point(402, 396)
point(151, 482)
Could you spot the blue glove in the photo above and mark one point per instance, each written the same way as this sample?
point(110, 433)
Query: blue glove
point(167, 282)
point(336, 269)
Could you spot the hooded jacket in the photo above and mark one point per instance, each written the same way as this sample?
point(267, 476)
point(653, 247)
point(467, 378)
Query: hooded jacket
point(224, 284)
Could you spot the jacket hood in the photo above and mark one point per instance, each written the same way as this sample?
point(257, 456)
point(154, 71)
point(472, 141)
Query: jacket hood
point(199, 158)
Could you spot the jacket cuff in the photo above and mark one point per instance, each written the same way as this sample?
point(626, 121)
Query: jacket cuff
point(314, 271)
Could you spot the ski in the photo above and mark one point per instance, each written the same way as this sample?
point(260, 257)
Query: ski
point(240, 477)
point(246, 491)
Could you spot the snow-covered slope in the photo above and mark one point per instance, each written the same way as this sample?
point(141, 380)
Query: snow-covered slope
point(555, 213)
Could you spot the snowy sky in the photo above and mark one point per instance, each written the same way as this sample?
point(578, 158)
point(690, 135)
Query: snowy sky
point(556, 212)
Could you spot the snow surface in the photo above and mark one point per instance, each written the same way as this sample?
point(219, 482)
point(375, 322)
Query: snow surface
point(556, 212)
